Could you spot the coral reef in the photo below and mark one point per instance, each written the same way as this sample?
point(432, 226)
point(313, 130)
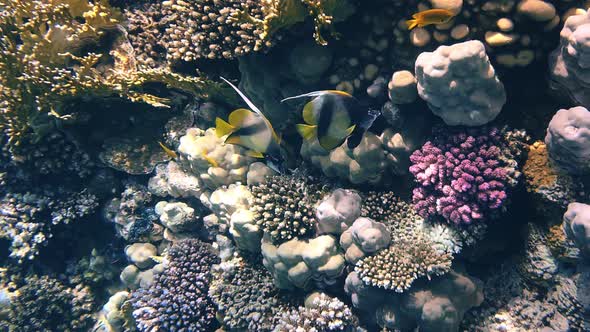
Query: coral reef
point(464, 175)
point(363, 238)
point(172, 180)
point(284, 207)
point(321, 313)
point(184, 286)
point(568, 140)
point(336, 213)
point(303, 263)
point(576, 221)
point(459, 84)
point(46, 304)
point(245, 296)
point(568, 63)
point(398, 266)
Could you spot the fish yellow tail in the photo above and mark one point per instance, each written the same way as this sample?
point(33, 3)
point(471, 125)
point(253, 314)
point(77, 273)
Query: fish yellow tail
point(306, 131)
point(412, 24)
point(223, 128)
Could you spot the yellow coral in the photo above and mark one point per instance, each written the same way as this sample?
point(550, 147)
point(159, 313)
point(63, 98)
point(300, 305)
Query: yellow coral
point(42, 67)
point(537, 170)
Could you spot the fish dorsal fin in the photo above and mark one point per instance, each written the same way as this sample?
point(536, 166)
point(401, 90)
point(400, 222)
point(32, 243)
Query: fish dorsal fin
point(254, 154)
point(250, 104)
point(223, 128)
point(306, 131)
point(320, 93)
point(236, 118)
point(308, 115)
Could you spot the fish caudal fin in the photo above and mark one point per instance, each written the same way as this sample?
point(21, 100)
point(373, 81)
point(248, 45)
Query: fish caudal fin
point(223, 128)
point(412, 24)
point(306, 131)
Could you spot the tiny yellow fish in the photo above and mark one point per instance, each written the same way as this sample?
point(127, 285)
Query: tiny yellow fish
point(170, 153)
point(430, 16)
point(210, 160)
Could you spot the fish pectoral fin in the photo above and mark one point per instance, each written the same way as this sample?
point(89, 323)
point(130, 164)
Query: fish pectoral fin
point(330, 143)
point(254, 154)
point(308, 132)
point(236, 118)
point(223, 128)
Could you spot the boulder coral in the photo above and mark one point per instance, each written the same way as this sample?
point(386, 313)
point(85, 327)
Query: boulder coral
point(363, 238)
point(338, 211)
point(568, 63)
point(576, 225)
point(568, 140)
point(459, 84)
point(303, 263)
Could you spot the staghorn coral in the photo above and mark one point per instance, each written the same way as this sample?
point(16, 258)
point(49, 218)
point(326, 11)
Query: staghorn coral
point(568, 140)
point(45, 304)
point(398, 266)
point(464, 175)
point(321, 313)
point(245, 296)
point(44, 67)
point(284, 207)
point(179, 296)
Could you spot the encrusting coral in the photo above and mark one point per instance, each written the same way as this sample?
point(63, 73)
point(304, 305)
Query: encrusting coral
point(183, 285)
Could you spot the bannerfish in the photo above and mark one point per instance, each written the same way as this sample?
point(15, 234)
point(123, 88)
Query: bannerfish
point(334, 116)
point(169, 152)
point(252, 130)
point(430, 16)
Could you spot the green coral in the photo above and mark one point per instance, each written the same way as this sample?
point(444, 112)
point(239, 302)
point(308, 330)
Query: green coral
point(50, 55)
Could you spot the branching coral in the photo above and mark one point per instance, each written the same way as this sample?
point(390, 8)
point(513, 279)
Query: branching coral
point(321, 313)
point(284, 207)
point(43, 67)
point(464, 175)
point(398, 266)
point(245, 295)
point(179, 299)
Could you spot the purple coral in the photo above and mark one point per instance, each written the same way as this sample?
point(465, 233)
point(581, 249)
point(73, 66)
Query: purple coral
point(463, 175)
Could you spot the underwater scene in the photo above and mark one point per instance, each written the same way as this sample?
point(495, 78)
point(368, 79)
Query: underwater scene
point(294, 165)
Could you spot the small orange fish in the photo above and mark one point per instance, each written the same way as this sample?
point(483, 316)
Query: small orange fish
point(170, 153)
point(430, 16)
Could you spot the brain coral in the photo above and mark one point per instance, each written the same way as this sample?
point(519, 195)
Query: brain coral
point(178, 299)
point(459, 84)
point(464, 175)
point(569, 62)
point(568, 139)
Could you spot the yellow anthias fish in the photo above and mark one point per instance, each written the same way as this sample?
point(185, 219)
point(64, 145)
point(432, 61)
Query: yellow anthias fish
point(170, 153)
point(251, 130)
point(430, 16)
